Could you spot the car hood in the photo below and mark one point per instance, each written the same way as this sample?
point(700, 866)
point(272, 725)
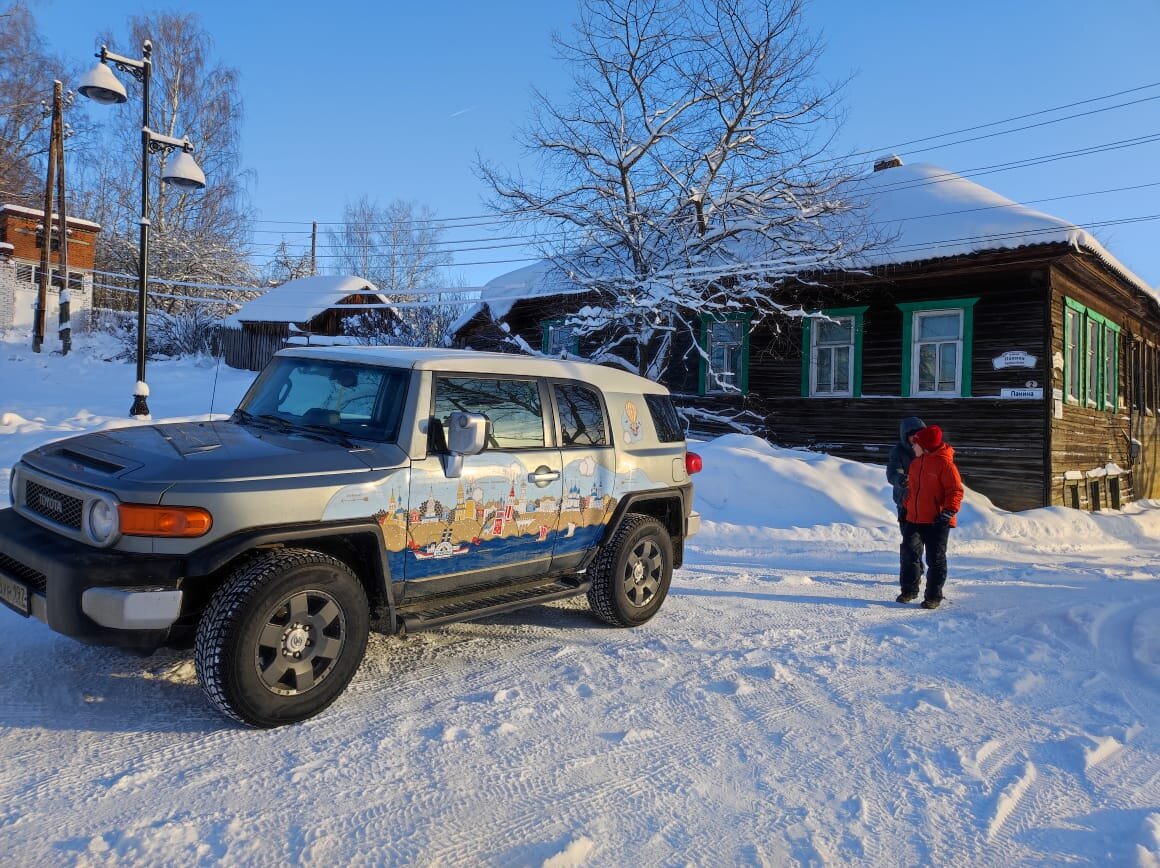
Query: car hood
point(204, 452)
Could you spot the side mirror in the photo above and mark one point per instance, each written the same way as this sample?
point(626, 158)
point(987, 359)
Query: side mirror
point(467, 434)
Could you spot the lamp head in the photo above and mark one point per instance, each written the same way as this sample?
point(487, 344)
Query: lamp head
point(100, 85)
point(184, 172)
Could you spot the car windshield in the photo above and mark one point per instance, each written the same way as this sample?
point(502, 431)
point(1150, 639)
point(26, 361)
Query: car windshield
point(360, 401)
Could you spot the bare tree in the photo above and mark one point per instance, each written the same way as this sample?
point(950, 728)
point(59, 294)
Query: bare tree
point(197, 237)
point(27, 71)
point(398, 248)
point(685, 172)
point(286, 265)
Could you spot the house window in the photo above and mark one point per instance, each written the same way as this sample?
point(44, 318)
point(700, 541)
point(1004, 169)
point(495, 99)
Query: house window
point(31, 274)
point(937, 338)
point(1072, 326)
point(1091, 361)
point(559, 339)
point(1111, 357)
point(725, 364)
point(832, 353)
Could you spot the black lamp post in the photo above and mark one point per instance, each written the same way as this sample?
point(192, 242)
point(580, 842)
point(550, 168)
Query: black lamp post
point(100, 85)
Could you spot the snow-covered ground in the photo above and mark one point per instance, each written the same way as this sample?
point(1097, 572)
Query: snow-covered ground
point(780, 709)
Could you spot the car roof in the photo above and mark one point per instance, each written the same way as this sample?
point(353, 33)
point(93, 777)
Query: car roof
point(472, 361)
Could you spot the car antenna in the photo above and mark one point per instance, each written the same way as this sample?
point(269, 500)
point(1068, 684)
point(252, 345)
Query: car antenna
point(213, 392)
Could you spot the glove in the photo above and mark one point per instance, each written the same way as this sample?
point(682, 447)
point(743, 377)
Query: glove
point(944, 518)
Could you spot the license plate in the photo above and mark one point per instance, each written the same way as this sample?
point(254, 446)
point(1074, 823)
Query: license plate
point(14, 594)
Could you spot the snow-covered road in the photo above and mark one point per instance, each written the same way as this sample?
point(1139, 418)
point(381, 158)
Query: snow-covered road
point(780, 709)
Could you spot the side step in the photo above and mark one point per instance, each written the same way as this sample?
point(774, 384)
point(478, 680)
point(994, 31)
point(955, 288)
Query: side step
point(428, 612)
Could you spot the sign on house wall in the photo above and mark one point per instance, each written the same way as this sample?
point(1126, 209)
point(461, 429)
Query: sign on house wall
point(1014, 359)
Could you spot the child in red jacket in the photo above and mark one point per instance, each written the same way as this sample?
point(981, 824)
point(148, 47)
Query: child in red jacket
point(933, 497)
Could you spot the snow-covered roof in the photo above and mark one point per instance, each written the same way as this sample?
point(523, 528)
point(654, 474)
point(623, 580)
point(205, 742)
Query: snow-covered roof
point(938, 213)
point(928, 213)
point(38, 214)
point(300, 300)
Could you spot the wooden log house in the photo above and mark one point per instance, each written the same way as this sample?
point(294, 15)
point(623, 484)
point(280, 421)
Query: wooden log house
point(1035, 350)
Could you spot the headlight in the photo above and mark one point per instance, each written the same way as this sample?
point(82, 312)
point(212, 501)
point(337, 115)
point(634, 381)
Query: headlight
point(102, 522)
point(13, 486)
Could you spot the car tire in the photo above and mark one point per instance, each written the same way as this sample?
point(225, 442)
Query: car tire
point(282, 637)
point(632, 572)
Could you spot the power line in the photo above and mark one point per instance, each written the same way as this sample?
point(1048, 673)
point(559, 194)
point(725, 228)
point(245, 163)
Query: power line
point(490, 219)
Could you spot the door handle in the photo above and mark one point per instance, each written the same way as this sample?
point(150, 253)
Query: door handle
point(543, 475)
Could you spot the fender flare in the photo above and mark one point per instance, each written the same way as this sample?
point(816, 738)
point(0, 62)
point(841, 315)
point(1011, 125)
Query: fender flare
point(213, 557)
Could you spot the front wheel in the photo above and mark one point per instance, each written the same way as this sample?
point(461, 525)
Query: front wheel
point(282, 637)
point(632, 573)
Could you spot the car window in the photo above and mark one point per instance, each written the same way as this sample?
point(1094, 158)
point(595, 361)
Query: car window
point(665, 419)
point(513, 406)
point(359, 400)
point(581, 416)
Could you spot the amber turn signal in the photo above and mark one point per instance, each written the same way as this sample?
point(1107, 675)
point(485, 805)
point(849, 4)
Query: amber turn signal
point(174, 521)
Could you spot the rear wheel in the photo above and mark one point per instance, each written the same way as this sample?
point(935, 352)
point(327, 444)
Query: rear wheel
point(282, 637)
point(632, 573)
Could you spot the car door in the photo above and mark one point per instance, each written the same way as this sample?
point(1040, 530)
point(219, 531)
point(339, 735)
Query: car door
point(497, 520)
point(588, 468)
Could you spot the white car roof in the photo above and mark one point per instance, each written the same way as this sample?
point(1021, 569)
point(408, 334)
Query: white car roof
point(471, 361)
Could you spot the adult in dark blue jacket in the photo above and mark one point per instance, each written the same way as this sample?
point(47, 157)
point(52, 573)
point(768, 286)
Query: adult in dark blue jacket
point(898, 467)
point(897, 474)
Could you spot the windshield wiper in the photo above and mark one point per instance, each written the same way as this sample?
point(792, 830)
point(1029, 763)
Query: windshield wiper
point(330, 432)
point(265, 419)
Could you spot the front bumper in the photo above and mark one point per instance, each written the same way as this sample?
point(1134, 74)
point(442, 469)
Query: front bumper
point(94, 595)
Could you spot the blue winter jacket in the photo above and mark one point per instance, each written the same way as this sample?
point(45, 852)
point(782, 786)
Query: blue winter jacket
point(901, 455)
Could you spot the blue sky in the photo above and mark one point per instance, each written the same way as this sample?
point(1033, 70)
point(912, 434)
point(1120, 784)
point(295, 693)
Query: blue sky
point(394, 100)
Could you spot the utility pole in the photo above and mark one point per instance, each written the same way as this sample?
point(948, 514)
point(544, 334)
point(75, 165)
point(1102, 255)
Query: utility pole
point(46, 224)
point(313, 247)
point(64, 329)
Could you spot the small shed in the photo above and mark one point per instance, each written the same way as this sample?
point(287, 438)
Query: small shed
point(320, 306)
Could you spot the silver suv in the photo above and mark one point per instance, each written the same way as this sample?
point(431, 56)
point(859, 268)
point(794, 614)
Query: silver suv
point(353, 489)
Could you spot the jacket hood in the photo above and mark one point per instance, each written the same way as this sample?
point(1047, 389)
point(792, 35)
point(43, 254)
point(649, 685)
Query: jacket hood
point(907, 426)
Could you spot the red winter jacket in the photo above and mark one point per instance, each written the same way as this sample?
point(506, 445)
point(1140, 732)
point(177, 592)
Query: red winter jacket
point(934, 486)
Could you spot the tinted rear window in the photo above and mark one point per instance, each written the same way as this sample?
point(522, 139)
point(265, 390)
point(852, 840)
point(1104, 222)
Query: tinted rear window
point(665, 418)
point(581, 416)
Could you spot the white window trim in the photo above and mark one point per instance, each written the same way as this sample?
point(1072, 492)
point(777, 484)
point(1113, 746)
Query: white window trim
point(915, 355)
point(814, 347)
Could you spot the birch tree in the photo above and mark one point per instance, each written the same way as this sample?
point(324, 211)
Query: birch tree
point(27, 71)
point(686, 171)
point(398, 248)
point(198, 236)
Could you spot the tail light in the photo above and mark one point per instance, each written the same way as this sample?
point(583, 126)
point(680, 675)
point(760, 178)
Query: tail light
point(693, 463)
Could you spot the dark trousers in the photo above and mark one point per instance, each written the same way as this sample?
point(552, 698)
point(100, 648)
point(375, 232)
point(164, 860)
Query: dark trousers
point(915, 539)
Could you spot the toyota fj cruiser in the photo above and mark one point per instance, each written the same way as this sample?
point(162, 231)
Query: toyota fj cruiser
point(353, 489)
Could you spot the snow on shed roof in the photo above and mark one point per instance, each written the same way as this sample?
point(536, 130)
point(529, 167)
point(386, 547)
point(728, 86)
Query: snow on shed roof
point(300, 300)
point(931, 213)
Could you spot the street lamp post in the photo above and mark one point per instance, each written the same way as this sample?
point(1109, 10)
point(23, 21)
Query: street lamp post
point(100, 85)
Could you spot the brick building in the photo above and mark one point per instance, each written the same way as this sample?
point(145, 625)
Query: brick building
point(21, 245)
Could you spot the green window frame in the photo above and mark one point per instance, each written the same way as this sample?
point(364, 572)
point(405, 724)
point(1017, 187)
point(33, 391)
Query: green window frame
point(1091, 370)
point(734, 354)
point(913, 312)
point(549, 329)
point(815, 345)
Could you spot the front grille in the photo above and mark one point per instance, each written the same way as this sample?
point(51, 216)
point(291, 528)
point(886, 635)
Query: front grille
point(36, 581)
point(54, 505)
